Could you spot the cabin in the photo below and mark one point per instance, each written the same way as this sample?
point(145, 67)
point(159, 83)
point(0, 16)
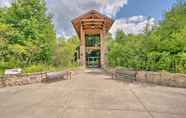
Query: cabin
point(92, 29)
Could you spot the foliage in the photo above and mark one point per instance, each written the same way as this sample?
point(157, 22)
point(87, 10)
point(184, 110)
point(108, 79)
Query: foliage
point(164, 48)
point(64, 54)
point(28, 39)
point(38, 68)
point(27, 33)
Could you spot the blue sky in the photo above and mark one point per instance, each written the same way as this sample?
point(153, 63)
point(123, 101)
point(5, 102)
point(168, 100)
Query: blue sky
point(153, 8)
point(131, 16)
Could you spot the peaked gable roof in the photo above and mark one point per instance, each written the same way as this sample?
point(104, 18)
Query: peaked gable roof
point(94, 15)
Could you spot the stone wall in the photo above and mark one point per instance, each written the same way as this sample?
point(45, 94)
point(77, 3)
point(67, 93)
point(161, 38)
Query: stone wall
point(25, 79)
point(159, 78)
point(162, 78)
point(19, 80)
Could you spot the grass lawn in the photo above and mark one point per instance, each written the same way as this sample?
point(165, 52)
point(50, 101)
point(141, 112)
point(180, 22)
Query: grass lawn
point(42, 68)
point(1, 71)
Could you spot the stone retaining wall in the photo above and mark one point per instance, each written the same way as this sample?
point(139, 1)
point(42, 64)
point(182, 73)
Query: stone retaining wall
point(162, 78)
point(20, 80)
point(25, 79)
point(159, 78)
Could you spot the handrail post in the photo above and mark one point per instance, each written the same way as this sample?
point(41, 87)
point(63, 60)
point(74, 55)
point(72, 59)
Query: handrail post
point(70, 75)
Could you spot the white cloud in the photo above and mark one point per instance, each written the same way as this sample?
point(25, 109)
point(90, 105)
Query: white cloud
point(66, 10)
point(133, 25)
point(4, 3)
point(111, 7)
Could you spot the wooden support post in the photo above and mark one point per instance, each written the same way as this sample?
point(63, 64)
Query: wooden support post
point(70, 75)
point(82, 49)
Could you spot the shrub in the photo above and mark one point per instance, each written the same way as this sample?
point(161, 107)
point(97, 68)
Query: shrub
point(38, 68)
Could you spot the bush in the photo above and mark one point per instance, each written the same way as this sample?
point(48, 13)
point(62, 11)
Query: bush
point(38, 68)
point(1, 72)
point(162, 49)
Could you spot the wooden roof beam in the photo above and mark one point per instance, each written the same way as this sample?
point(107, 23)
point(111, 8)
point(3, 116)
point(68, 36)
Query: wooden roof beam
point(93, 20)
point(92, 23)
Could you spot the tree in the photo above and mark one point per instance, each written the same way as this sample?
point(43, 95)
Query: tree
point(163, 48)
point(65, 51)
point(31, 37)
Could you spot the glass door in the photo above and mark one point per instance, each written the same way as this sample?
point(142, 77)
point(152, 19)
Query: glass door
point(93, 47)
point(93, 59)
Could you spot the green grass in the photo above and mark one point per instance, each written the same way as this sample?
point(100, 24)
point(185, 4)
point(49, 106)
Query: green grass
point(45, 68)
point(1, 72)
point(41, 68)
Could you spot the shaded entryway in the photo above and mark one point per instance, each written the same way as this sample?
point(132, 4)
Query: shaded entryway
point(93, 51)
point(92, 28)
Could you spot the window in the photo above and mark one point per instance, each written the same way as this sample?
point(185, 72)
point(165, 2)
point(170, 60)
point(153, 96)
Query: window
point(92, 40)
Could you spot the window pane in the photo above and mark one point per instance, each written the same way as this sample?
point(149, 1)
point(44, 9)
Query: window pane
point(92, 40)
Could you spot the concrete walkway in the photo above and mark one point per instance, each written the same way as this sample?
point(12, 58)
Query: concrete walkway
point(92, 94)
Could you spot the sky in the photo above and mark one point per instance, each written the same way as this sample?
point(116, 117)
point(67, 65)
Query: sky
point(131, 16)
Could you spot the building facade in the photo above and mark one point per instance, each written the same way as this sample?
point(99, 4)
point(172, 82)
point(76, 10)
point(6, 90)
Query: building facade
point(92, 28)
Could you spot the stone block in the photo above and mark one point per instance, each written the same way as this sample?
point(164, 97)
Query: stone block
point(141, 76)
point(184, 83)
point(25, 82)
point(166, 78)
point(172, 83)
point(1, 84)
point(10, 82)
point(154, 77)
point(180, 80)
point(18, 83)
point(148, 77)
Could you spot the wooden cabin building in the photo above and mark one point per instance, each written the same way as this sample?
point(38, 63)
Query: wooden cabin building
point(92, 29)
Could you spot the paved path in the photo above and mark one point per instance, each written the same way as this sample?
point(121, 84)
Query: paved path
point(92, 95)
